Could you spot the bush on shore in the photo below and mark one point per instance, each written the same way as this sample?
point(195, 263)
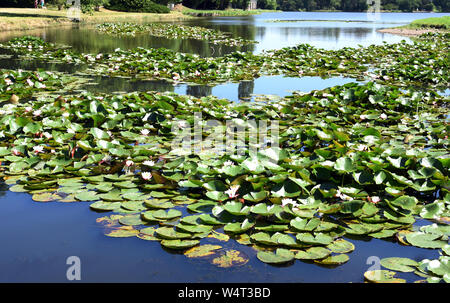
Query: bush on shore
point(145, 6)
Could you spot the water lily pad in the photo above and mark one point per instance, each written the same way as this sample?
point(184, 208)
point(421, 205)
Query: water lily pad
point(133, 205)
point(239, 227)
point(170, 233)
point(122, 232)
point(131, 220)
point(159, 204)
point(46, 197)
point(105, 206)
point(280, 256)
point(166, 215)
point(230, 258)
point(425, 240)
point(202, 251)
point(341, 246)
point(334, 260)
point(317, 239)
point(399, 264)
point(87, 196)
point(313, 253)
point(382, 276)
point(179, 244)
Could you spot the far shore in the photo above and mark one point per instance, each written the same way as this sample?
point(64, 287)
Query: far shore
point(410, 32)
point(13, 19)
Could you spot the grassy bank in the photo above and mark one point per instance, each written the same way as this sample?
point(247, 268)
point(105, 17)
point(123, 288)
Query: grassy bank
point(421, 26)
point(30, 18)
point(437, 22)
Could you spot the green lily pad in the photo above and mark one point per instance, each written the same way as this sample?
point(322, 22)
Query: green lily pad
point(131, 220)
point(280, 256)
point(316, 239)
point(313, 253)
point(425, 240)
point(179, 244)
point(399, 264)
point(334, 260)
point(341, 246)
point(171, 234)
point(105, 206)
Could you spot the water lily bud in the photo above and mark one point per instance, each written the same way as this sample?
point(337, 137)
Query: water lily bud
point(14, 99)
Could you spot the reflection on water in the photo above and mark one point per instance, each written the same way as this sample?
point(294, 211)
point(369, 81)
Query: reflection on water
point(333, 33)
point(245, 90)
point(14, 63)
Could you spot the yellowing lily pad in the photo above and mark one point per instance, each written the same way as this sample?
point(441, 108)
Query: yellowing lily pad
point(382, 276)
point(230, 258)
point(45, 197)
point(202, 251)
point(122, 232)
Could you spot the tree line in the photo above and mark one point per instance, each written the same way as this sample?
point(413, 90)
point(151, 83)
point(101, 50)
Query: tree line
point(285, 5)
point(362, 5)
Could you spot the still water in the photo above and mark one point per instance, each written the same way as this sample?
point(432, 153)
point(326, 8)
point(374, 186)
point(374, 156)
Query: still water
point(37, 238)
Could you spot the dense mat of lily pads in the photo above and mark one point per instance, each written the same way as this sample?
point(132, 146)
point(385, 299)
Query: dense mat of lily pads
point(422, 64)
point(172, 31)
point(354, 160)
point(359, 160)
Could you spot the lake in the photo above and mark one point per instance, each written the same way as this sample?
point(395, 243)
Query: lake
point(37, 238)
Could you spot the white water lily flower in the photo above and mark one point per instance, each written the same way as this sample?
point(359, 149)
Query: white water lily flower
point(129, 163)
point(28, 109)
point(47, 135)
point(287, 201)
point(15, 152)
point(362, 147)
point(343, 196)
point(149, 163)
point(383, 116)
point(37, 113)
point(29, 82)
point(363, 117)
point(374, 199)
point(183, 124)
point(8, 82)
point(38, 149)
point(146, 175)
point(232, 192)
point(228, 163)
point(2, 134)
point(145, 132)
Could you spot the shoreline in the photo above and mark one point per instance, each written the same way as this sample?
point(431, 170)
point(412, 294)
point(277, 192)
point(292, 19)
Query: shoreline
point(410, 32)
point(18, 19)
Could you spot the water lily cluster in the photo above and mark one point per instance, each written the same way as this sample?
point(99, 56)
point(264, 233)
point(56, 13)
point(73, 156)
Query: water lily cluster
point(172, 31)
point(359, 160)
point(422, 64)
